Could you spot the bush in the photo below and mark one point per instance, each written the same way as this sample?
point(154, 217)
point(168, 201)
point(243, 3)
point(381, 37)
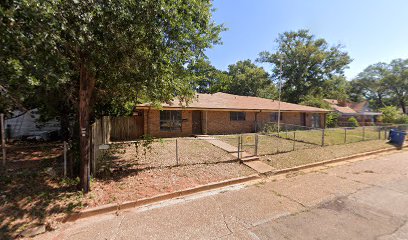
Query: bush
point(392, 115)
point(353, 122)
point(332, 119)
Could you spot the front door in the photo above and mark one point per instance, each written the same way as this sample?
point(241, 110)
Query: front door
point(316, 120)
point(196, 118)
point(303, 119)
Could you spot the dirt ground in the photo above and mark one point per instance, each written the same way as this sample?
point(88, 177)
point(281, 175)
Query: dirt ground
point(33, 192)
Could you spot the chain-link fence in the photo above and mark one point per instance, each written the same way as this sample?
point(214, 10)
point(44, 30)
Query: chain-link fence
point(168, 152)
point(306, 137)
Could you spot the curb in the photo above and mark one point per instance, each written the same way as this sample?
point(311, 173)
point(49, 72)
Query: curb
point(310, 165)
point(145, 201)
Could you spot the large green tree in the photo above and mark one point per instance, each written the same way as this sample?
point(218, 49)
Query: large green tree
point(207, 78)
point(104, 49)
point(247, 79)
point(369, 85)
point(307, 63)
point(396, 81)
point(383, 84)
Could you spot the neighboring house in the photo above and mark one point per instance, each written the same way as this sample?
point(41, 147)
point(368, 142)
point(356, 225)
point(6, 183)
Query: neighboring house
point(222, 113)
point(361, 111)
point(26, 124)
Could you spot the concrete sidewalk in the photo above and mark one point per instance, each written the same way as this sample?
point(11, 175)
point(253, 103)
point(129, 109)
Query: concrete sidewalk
point(355, 200)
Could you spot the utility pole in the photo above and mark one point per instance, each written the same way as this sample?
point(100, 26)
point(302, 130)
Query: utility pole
point(3, 139)
point(279, 96)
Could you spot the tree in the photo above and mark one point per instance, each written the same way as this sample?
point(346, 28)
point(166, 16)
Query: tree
point(315, 101)
point(369, 84)
point(336, 88)
point(396, 81)
point(390, 114)
point(307, 63)
point(128, 49)
point(207, 78)
point(247, 79)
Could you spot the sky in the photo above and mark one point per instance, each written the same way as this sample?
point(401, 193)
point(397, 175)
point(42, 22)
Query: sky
point(371, 31)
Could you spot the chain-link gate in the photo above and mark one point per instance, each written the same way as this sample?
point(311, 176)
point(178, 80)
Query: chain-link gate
point(247, 145)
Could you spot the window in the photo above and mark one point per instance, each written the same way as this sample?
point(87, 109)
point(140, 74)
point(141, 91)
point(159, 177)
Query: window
point(237, 116)
point(274, 116)
point(170, 121)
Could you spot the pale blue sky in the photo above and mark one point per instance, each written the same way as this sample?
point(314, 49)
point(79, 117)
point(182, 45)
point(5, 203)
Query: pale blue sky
point(372, 31)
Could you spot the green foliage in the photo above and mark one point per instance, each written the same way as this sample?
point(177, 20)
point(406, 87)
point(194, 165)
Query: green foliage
point(134, 49)
point(336, 88)
point(332, 119)
point(383, 84)
point(247, 79)
point(269, 92)
point(369, 85)
point(396, 81)
point(353, 122)
point(390, 114)
point(314, 101)
point(307, 63)
point(144, 144)
point(208, 79)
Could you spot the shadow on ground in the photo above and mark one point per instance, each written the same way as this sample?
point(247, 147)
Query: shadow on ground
point(31, 189)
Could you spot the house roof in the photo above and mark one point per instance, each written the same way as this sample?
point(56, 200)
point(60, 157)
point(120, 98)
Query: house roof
point(351, 108)
point(224, 101)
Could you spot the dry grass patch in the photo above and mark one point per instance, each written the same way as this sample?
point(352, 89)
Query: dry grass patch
point(318, 154)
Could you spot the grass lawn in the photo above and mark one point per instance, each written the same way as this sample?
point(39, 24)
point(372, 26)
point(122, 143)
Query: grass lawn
point(334, 136)
point(305, 156)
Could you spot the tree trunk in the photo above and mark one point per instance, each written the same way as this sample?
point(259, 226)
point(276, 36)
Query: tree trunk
point(404, 108)
point(86, 88)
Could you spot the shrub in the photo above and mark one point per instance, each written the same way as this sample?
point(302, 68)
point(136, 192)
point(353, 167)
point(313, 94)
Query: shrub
point(332, 119)
point(353, 122)
point(392, 115)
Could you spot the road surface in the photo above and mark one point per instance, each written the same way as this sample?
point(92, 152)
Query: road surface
point(364, 199)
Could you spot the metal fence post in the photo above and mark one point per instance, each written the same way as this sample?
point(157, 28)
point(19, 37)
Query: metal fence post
point(177, 158)
point(239, 146)
point(345, 135)
point(322, 137)
point(379, 133)
point(294, 140)
point(256, 144)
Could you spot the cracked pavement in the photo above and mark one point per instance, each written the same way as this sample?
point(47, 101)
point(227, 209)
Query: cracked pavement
point(359, 199)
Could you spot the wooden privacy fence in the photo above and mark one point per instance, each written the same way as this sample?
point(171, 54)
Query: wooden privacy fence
point(100, 135)
point(108, 129)
point(126, 128)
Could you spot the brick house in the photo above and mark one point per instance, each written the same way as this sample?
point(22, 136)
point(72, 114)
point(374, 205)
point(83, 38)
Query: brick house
point(222, 113)
point(359, 110)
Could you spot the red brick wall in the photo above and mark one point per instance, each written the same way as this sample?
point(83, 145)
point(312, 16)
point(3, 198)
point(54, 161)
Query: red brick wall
point(219, 122)
point(152, 124)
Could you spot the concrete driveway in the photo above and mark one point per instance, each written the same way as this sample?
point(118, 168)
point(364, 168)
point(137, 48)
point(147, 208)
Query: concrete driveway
point(365, 199)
